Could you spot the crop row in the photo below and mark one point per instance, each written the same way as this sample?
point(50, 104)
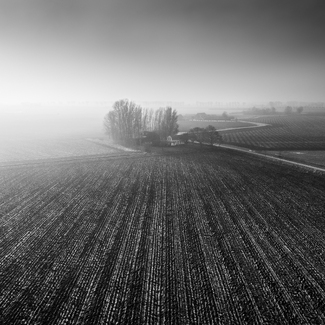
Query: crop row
point(214, 237)
point(33, 149)
point(283, 132)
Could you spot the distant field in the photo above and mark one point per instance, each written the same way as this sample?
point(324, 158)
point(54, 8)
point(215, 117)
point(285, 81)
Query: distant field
point(186, 125)
point(296, 132)
point(47, 148)
point(182, 236)
point(316, 158)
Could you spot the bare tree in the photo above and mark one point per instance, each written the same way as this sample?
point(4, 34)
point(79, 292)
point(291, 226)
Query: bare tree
point(208, 134)
point(300, 109)
point(166, 122)
point(128, 121)
point(196, 134)
point(211, 134)
point(124, 122)
point(288, 110)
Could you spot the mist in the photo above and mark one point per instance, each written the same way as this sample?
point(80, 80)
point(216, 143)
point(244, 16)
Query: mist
point(189, 51)
point(161, 50)
point(33, 132)
point(41, 122)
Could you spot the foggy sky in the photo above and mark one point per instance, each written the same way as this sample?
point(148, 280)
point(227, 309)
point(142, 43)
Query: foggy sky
point(184, 50)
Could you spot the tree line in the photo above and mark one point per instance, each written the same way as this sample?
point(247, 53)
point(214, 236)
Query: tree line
point(128, 121)
point(271, 111)
point(205, 135)
point(289, 110)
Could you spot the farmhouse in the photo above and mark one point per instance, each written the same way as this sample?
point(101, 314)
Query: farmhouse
point(172, 142)
point(178, 139)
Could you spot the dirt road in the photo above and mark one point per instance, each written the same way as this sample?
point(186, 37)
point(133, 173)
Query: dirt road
point(271, 157)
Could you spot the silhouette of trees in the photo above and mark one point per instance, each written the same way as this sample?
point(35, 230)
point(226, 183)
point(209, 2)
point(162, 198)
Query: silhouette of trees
point(261, 111)
point(165, 122)
point(196, 134)
point(300, 109)
point(211, 134)
point(288, 110)
point(125, 121)
point(128, 121)
point(208, 134)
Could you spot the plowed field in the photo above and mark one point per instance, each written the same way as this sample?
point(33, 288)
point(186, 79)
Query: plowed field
point(296, 132)
point(190, 237)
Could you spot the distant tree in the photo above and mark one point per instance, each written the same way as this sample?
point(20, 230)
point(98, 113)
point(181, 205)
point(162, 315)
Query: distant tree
point(152, 137)
point(166, 122)
point(261, 111)
point(124, 121)
point(225, 115)
point(219, 139)
point(211, 134)
point(184, 137)
point(288, 110)
point(111, 125)
point(170, 121)
point(208, 134)
point(128, 122)
point(300, 109)
point(196, 134)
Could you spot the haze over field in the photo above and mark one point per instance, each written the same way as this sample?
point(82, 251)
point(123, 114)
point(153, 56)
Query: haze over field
point(39, 121)
point(187, 50)
point(162, 161)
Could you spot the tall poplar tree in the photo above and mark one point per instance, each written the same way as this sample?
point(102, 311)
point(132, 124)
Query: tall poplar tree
point(128, 121)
